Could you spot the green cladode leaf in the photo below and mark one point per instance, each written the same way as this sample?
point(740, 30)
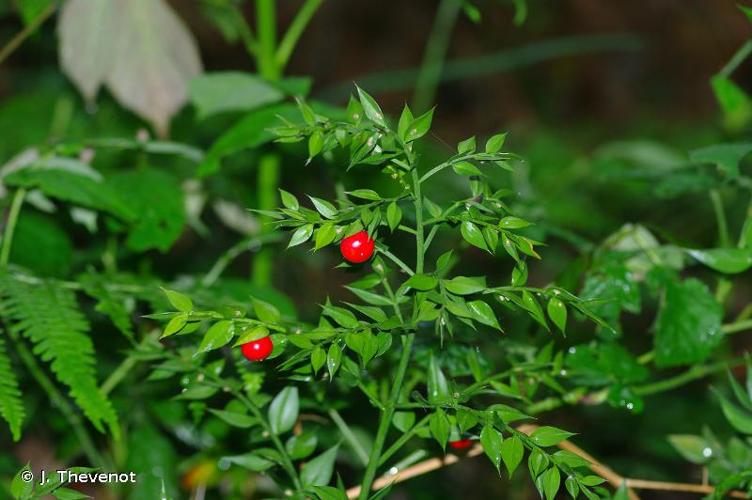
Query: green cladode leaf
point(725, 156)
point(725, 260)
point(283, 411)
point(318, 471)
point(492, 442)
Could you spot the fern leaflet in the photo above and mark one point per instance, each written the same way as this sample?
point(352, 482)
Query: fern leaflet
point(11, 407)
point(48, 315)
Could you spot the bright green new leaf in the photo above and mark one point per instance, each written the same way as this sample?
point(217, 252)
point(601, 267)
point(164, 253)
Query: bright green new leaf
point(557, 311)
point(371, 108)
point(465, 285)
point(301, 446)
point(549, 436)
point(550, 481)
point(438, 387)
point(289, 200)
point(365, 194)
point(393, 215)
point(725, 260)
point(265, 311)
point(495, 143)
point(251, 334)
point(511, 222)
point(179, 301)
point(467, 146)
point(725, 156)
point(406, 118)
point(301, 235)
point(419, 127)
point(473, 235)
point(318, 471)
point(333, 359)
point(341, 316)
point(323, 207)
point(482, 313)
point(693, 448)
point(325, 235)
point(512, 451)
point(250, 461)
point(403, 420)
point(235, 419)
point(422, 282)
point(739, 419)
point(439, 427)
point(217, 336)
point(318, 358)
point(465, 168)
point(492, 442)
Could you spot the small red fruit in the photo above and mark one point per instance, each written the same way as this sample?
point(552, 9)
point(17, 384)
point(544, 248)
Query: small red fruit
point(357, 248)
point(461, 444)
point(257, 350)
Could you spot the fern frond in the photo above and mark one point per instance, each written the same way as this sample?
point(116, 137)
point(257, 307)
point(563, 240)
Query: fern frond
point(11, 406)
point(48, 315)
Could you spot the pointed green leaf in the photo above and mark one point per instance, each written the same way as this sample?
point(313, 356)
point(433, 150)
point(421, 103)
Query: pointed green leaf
point(473, 235)
point(283, 411)
point(492, 442)
point(512, 451)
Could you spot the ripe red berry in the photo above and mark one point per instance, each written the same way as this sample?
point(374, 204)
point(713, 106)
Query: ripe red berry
point(257, 350)
point(461, 444)
point(357, 248)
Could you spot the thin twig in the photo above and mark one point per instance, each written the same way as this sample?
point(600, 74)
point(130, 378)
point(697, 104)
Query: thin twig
point(25, 33)
point(597, 467)
point(644, 484)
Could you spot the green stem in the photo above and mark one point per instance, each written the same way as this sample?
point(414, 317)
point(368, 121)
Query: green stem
point(407, 344)
point(294, 31)
point(392, 298)
point(266, 189)
point(25, 33)
point(737, 327)
point(349, 436)
point(419, 242)
point(386, 253)
point(59, 401)
point(404, 438)
point(286, 462)
point(126, 365)
point(694, 373)
point(386, 418)
point(739, 56)
point(233, 252)
point(266, 29)
point(720, 217)
point(436, 49)
point(269, 164)
point(10, 227)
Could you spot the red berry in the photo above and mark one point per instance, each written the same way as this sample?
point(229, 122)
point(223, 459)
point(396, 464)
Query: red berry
point(257, 350)
point(357, 248)
point(461, 444)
